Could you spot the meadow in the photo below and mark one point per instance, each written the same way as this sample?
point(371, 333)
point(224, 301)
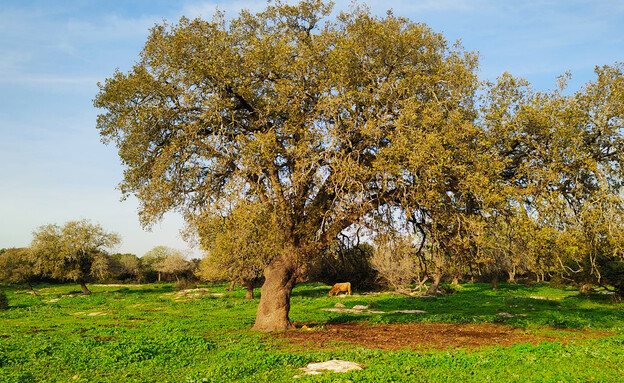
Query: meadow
point(154, 333)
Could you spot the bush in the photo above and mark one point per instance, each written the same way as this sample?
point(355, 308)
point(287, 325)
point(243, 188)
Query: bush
point(395, 262)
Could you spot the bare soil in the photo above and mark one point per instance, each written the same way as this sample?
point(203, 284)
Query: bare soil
point(424, 336)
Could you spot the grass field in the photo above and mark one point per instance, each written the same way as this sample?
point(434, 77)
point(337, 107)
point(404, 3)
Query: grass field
point(153, 333)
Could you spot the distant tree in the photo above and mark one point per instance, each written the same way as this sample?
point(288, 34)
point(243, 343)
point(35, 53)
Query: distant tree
point(17, 267)
point(560, 163)
point(174, 265)
point(395, 261)
point(154, 256)
point(130, 266)
point(75, 251)
point(127, 267)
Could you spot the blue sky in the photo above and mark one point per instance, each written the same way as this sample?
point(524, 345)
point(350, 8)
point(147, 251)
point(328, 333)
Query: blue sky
point(53, 167)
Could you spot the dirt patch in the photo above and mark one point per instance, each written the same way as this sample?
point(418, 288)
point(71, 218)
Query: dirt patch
point(424, 336)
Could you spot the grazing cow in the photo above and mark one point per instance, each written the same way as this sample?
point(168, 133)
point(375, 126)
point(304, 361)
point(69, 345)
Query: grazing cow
point(341, 288)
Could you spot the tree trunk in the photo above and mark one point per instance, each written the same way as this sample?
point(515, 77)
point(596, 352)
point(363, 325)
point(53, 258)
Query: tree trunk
point(280, 278)
point(231, 288)
point(159, 276)
point(433, 288)
point(495, 281)
point(455, 281)
point(249, 285)
point(512, 276)
point(32, 290)
point(84, 288)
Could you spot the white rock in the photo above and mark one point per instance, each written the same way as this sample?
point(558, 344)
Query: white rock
point(506, 315)
point(353, 311)
point(332, 366)
point(339, 305)
point(360, 307)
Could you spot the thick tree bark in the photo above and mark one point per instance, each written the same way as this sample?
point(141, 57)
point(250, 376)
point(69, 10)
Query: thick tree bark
point(433, 288)
point(512, 276)
point(231, 288)
point(280, 278)
point(84, 288)
point(249, 285)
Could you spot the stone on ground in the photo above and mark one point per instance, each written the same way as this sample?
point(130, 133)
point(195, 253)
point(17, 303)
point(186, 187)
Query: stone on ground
point(331, 366)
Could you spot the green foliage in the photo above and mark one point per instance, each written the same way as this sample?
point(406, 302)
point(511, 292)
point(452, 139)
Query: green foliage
point(17, 266)
point(238, 244)
point(150, 334)
point(75, 251)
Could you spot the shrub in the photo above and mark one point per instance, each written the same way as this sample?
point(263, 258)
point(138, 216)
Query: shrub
point(395, 261)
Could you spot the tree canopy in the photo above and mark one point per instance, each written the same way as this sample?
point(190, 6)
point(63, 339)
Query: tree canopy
point(74, 251)
point(358, 121)
point(17, 266)
point(239, 244)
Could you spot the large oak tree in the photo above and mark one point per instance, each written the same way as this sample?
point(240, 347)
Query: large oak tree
point(326, 124)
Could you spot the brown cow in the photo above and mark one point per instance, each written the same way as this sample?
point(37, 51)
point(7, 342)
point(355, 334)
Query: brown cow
point(341, 288)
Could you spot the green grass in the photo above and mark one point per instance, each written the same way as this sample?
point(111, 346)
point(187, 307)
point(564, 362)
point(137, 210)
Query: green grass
point(149, 335)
